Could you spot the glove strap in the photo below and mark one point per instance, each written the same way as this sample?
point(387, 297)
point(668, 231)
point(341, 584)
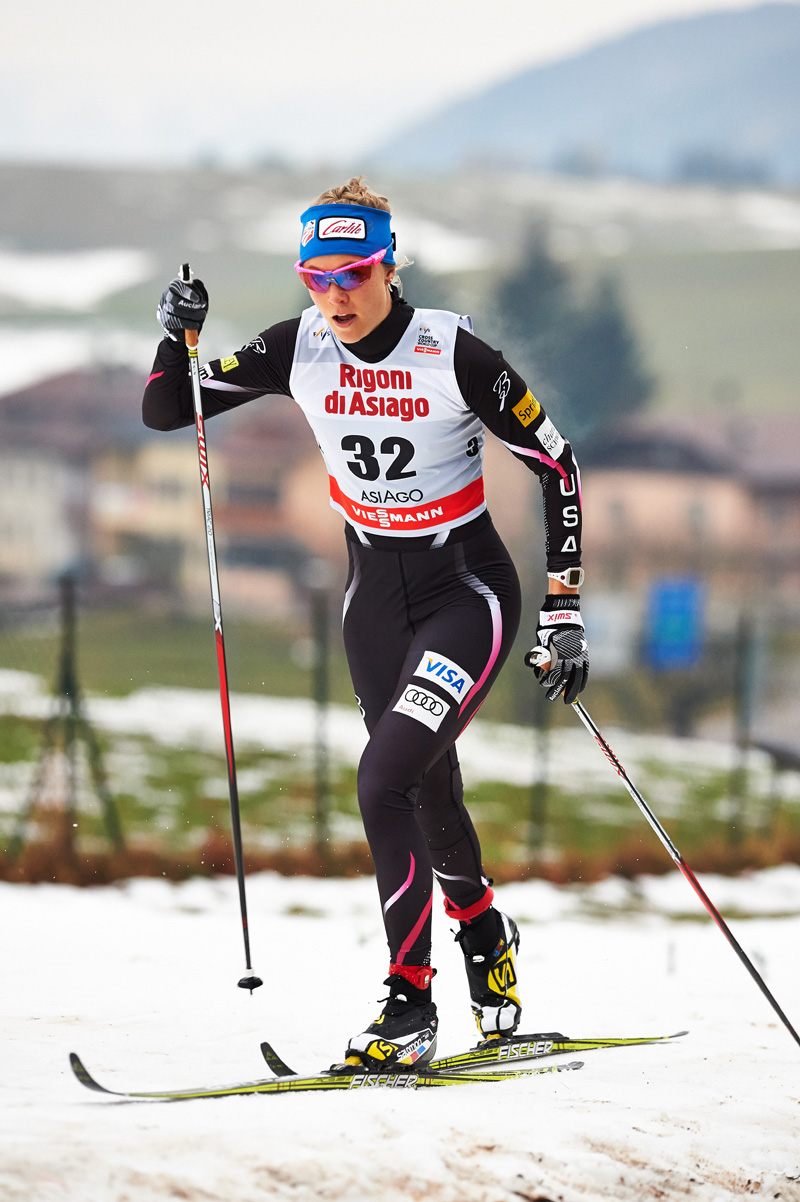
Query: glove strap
point(560, 609)
point(555, 601)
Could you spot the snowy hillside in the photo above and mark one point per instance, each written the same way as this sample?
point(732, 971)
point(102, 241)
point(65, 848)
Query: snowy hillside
point(141, 981)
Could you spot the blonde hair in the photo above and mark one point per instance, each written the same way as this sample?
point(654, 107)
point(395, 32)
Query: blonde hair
point(354, 192)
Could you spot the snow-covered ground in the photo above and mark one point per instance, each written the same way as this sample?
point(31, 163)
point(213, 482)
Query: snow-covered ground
point(487, 751)
point(140, 979)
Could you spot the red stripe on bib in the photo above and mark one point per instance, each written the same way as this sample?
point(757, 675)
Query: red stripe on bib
point(410, 518)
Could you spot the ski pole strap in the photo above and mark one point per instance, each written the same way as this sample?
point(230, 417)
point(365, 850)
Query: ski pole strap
point(469, 912)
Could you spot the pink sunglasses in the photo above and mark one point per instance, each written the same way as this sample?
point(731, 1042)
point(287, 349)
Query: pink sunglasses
point(351, 276)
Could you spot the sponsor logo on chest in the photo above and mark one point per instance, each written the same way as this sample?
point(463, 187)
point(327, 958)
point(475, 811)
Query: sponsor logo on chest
point(427, 344)
point(447, 674)
point(368, 392)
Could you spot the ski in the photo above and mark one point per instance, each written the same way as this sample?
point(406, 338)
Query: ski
point(279, 1067)
point(503, 1051)
point(319, 1081)
point(531, 1047)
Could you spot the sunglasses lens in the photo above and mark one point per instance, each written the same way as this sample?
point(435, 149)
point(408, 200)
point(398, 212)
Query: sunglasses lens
point(352, 277)
point(348, 278)
point(317, 283)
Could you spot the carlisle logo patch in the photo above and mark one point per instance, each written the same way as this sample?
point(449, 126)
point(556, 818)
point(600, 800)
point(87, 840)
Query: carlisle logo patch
point(308, 232)
point(448, 675)
point(342, 227)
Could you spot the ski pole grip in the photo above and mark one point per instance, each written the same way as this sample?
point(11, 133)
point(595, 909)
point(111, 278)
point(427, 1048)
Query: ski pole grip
point(190, 336)
point(542, 657)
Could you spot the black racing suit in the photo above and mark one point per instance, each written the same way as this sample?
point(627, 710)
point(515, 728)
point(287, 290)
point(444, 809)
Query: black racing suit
point(426, 628)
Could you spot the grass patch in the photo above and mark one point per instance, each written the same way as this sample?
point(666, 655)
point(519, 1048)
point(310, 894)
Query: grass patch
point(121, 651)
point(173, 806)
point(716, 328)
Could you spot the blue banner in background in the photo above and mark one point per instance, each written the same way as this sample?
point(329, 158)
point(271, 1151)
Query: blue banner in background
point(675, 624)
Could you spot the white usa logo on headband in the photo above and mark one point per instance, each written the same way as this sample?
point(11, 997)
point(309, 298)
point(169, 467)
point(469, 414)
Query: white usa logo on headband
point(342, 227)
point(308, 232)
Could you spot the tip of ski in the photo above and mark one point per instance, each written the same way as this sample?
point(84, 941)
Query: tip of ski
point(278, 1066)
point(423, 1079)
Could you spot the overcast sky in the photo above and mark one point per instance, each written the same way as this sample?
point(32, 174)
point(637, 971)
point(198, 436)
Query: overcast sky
point(311, 80)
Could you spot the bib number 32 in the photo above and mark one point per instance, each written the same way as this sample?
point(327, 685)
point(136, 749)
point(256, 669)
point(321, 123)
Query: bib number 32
point(365, 463)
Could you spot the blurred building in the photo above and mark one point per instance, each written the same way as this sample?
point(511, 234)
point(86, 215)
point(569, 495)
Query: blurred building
point(50, 434)
point(91, 488)
point(661, 501)
point(266, 487)
point(42, 511)
point(145, 517)
point(703, 493)
point(709, 495)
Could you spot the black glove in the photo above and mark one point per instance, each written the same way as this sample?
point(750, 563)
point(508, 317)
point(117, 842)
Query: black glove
point(182, 307)
point(560, 631)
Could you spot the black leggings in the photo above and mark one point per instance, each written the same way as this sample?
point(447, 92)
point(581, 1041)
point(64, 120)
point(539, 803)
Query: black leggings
point(426, 633)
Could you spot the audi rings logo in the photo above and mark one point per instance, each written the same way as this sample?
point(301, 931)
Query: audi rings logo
point(426, 700)
point(422, 706)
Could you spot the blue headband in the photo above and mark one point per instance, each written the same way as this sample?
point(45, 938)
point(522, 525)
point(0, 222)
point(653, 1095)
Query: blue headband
point(343, 229)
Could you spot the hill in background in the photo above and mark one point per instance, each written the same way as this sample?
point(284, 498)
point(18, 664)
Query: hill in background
point(708, 276)
point(715, 97)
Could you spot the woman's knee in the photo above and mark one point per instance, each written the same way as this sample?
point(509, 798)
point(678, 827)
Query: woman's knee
point(382, 786)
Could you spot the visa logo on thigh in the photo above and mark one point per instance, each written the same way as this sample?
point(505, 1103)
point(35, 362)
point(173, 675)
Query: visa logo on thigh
point(453, 679)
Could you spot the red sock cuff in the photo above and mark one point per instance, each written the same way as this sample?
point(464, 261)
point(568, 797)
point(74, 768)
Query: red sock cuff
point(418, 975)
point(472, 911)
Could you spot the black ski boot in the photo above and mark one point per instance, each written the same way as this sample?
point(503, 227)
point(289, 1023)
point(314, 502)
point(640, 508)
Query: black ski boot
point(489, 944)
point(404, 1033)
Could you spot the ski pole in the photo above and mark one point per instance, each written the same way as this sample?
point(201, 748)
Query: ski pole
point(540, 656)
point(251, 981)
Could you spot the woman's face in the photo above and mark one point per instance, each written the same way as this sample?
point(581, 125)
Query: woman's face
point(353, 315)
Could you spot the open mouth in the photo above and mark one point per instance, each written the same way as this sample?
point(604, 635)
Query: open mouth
point(343, 320)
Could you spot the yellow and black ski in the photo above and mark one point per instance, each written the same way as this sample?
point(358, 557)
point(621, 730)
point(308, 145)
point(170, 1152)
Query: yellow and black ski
point(504, 1051)
point(422, 1079)
point(531, 1047)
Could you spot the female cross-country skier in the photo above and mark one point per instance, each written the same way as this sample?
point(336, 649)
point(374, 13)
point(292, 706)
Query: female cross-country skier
point(399, 400)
